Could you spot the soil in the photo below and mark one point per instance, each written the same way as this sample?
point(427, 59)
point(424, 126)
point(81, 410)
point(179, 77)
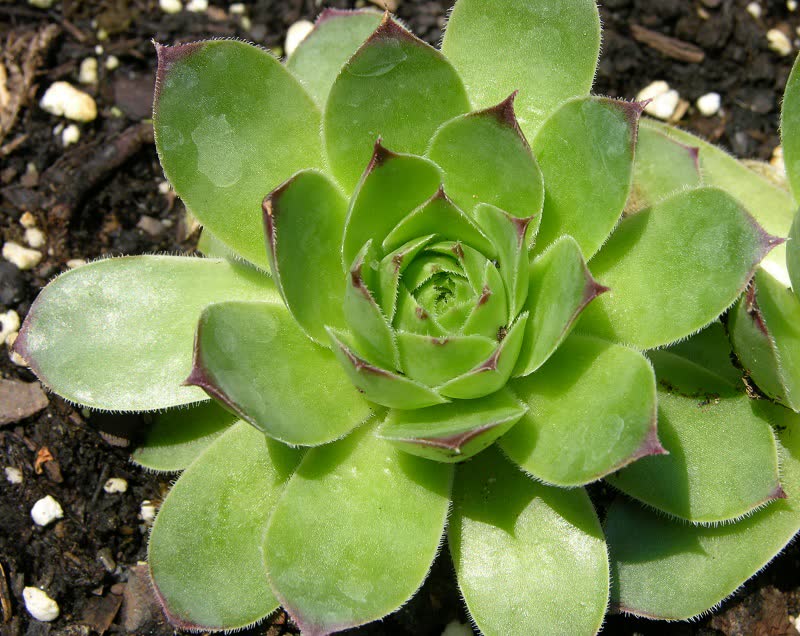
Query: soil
point(102, 196)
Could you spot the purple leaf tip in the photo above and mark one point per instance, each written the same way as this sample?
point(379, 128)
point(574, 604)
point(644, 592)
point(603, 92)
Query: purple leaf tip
point(650, 445)
point(168, 56)
point(505, 115)
point(779, 493)
point(380, 155)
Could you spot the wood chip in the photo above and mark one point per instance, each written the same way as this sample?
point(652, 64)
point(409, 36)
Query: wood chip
point(19, 400)
point(671, 47)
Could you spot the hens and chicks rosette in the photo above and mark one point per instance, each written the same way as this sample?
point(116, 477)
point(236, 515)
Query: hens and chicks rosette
point(433, 325)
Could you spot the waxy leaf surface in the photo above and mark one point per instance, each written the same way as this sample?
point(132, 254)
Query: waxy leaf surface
point(793, 255)
point(515, 541)
point(255, 359)
point(205, 547)
point(178, 436)
point(591, 410)
point(546, 50)
point(456, 431)
point(337, 34)
point(695, 251)
point(117, 334)
point(790, 129)
point(770, 205)
point(395, 87)
point(354, 535)
point(722, 460)
point(231, 124)
point(486, 159)
point(303, 222)
point(560, 288)
point(599, 135)
point(675, 570)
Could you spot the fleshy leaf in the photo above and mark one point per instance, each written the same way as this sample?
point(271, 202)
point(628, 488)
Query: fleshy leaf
point(486, 159)
point(205, 547)
point(178, 436)
point(303, 222)
point(456, 431)
point(511, 235)
point(663, 166)
point(392, 184)
point(765, 331)
point(769, 204)
point(392, 267)
point(221, 157)
point(319, 58)
point(673, 570)
point(434, 361)
point(439, 215)
point(592, 410)
point(490, 314)
point(492, 374)
point(546, 51)
point(117, 334)
point(255, 359)
point(396, 87)
point(599, 135)
point(379, 385)
point(560, 288)
point(364, 316)
point(790, 129)
point(695, 251)
point(722, 461)
point(514, 541)
point(355, 533)
point(793, 255)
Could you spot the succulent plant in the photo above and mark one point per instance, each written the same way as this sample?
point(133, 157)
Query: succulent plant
point(441, 298)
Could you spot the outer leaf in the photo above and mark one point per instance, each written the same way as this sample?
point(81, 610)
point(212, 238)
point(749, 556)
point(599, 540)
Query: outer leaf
point(178, 436)
point(765, 331)
point(599, 135)
point(592, 410)
point(355, 533)
point(303, 222)
point(560, 288)
point(486, 159)
point(254, 359)
point(392, 184)
point(790, 129)
point(770, 205)
point(231, 124)
point(793, 255)
point(321, 55)
point(722, 460)
point(694, 251)
point(663, 166)
point(456, 431)
point(395, 87)
point(548, 52)
point(379, 385)
point(514, 542)
point(204, 549)
point(674, 570)
point(492, 374)
point(117, 334)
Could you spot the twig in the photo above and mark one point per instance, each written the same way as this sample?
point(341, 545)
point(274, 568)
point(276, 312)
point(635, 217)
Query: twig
point(671, 47)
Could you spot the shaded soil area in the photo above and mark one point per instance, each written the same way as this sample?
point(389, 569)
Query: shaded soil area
point(104, 194)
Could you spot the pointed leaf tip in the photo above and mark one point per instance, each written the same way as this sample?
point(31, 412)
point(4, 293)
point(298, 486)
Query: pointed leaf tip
point(167, 57)
point(778, 493)
point(651, 445)
point(505, 114)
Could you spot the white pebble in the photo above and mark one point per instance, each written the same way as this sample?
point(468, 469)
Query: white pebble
point(147, 512)
point(70, 135)
point(35, 237)
point(754, 9)
point(75, 262)
point(27, 220)
point(13, 355)
point(197, 6)
point(58, 129)
point(62, 98)
point(776, 161)
point(455, 628)
point(41, 4)
point(164, 187)
point(9, 323)
point(98, 49)
point(111, 63)
point(245, 23)
point(296, 34)
point(778, 42)
point(170, 6)
point(46, 511)
point(652, 90)
point(663, 106)
point(13, 475)
point(709, 104)
point(40, 605)
point(22, 257)
point(796, 622)
point(237, 8)
point(102, 35)
point(115, 485)
point(88, 71)
point(791, 5)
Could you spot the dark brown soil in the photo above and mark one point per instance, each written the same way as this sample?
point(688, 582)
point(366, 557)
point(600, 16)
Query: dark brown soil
point(90, 200)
